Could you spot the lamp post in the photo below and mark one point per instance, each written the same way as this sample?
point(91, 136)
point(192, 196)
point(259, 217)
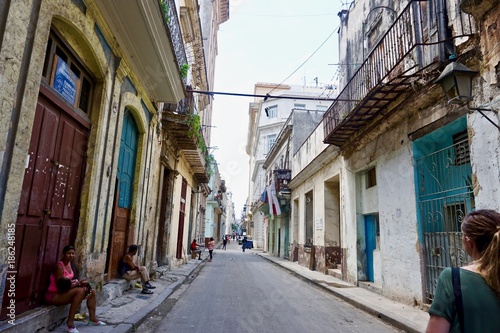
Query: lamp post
point(456, 81)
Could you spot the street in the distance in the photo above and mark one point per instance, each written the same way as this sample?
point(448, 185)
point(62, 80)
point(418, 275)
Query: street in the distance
point(242, 292)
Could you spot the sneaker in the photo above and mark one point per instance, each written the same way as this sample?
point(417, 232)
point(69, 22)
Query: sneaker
point(146, 291)
point(96, 323)
point(149, 286)
point(72, 330)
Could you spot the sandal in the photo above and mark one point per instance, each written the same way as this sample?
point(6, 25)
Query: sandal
point(96, 323)
point(146, 291)
point(72, 330)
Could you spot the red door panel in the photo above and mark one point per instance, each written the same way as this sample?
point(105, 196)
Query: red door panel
point(49, 204)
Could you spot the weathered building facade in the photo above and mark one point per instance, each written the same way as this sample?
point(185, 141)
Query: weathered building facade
point(92, 152)
point(400, 167)
point(267, 118)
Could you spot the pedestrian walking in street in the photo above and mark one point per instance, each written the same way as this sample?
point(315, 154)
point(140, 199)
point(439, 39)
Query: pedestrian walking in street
point(66, 288)
point(130, 271)
point(224, 243)
point(195, 248)
point(244, 243)
point(466, 298)
point(211, 245)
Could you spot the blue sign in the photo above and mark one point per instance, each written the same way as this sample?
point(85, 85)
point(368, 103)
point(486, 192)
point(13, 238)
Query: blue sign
point(65, 81)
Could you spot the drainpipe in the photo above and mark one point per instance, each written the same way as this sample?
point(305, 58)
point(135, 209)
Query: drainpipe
point(417, 26)
point(442, 27)
point(20, 89)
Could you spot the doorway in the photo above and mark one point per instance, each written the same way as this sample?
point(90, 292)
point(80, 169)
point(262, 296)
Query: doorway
point(120, 225)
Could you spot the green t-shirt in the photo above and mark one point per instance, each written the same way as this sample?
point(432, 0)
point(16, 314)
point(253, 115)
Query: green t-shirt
point(481, 305)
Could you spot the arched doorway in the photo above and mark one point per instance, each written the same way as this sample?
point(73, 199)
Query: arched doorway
point(119, 235)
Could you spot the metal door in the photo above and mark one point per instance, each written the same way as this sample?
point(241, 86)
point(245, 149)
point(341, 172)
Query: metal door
point(445, 196)
point(50, 198)
point(124, 193)
point(371, 244)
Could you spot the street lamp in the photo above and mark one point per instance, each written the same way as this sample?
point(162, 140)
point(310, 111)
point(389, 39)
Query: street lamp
point(456, 81)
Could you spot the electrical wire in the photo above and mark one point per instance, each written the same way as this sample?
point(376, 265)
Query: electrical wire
point(267, 96)
point(303, 62)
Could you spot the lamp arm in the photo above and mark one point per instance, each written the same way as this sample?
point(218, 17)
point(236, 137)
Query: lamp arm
point(480, 110)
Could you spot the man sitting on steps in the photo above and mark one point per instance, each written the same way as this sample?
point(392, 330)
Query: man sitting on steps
point(130, 271)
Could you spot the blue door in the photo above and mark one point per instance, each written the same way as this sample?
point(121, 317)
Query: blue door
point(126, 161)
point(371, 243)
point(119, 234)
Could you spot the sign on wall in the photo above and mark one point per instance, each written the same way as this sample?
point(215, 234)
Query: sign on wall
point(319, 223)
point(64, 81)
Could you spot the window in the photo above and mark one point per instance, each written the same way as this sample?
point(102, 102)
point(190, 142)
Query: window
point(66, 74)
point(309, 219)
point(271, 140)
point(371, 178)
point(271, 111)
point(461, 148)
point(321, 107)
point(299, 106)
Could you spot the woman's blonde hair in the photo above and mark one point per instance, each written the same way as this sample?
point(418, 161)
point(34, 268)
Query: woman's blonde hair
point(483, 228)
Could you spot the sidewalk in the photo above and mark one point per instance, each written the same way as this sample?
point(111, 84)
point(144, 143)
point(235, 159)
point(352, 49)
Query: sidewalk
point(125, 313)
point(402, 316)
point(123, 309)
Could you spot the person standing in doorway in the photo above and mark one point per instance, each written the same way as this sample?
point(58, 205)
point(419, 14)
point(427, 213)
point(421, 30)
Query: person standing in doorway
point(211, 245)
point(476, 286)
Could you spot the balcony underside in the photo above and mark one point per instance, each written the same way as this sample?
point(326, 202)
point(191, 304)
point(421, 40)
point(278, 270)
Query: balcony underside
point(177, 128)
point(362, 116)
point(140, 29)
point(409, 51)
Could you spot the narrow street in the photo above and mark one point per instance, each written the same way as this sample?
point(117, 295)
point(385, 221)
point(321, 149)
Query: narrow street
point(242, 292)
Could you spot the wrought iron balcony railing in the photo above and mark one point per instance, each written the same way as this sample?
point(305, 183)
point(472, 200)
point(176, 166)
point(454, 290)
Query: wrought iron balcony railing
point(174, 28)
point(412, 43)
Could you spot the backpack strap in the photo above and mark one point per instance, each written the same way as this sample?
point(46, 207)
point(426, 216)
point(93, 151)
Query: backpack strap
point(457, 292)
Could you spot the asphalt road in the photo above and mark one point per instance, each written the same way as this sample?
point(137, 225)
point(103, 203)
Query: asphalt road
point(241, 292)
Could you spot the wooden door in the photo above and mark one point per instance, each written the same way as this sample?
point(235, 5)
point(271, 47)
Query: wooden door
point(50, 198)
point(182, 215)
point(123, 194)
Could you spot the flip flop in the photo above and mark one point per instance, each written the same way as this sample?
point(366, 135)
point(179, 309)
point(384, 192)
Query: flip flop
point(96, 323)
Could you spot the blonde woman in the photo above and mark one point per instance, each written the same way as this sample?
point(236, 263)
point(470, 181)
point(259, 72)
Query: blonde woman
point(478, 285)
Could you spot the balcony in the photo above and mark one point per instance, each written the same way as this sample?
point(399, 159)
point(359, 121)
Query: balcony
point(411, 46)
point(179, 128)
point(152, 44)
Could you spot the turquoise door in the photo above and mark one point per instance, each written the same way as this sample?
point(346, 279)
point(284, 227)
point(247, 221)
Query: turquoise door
point(123, 196)
point(126, 161)
point(371, 244)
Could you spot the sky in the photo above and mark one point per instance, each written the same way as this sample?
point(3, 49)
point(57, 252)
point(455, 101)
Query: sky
point(266, 41)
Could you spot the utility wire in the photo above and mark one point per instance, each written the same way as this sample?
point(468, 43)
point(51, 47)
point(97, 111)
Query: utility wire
point(267, 96)
point(304, 61)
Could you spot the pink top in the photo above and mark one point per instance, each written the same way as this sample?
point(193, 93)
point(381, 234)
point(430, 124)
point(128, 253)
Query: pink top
point(211, 245)
point(66, 274)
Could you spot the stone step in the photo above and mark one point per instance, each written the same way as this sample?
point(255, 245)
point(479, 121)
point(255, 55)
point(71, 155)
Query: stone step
point(335, 272)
